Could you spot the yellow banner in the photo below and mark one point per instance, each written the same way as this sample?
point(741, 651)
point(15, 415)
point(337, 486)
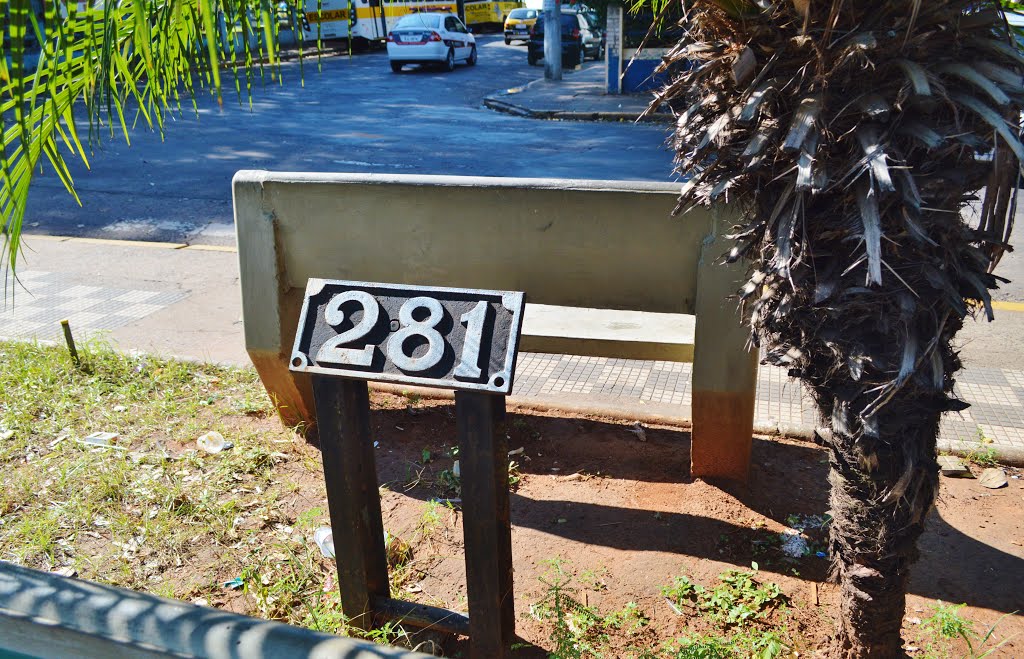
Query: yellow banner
point(328, 15)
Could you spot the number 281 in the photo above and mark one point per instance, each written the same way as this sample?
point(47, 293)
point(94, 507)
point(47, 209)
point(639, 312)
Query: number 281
point(332, 352)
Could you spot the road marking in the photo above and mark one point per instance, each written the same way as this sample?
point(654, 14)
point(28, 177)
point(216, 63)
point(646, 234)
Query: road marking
point(996, 304)
point(113, 242)
point(212, 248)
point(1007, 306)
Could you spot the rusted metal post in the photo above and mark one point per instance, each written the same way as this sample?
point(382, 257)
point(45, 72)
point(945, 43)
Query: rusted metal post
point(350, 472)
point(483, 453)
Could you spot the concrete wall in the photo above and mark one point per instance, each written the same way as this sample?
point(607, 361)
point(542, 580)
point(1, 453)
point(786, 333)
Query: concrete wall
point(596, 244)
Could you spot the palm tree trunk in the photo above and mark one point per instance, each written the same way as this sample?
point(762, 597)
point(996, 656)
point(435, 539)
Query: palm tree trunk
point(882, 490)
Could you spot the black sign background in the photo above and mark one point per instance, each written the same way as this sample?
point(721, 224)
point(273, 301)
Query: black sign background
point(499, 334)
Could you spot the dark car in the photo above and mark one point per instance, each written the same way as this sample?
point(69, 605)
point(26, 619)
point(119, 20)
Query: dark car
point(580, 39)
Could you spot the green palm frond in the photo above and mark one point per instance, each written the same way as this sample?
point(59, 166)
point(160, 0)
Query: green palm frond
point(112, 65)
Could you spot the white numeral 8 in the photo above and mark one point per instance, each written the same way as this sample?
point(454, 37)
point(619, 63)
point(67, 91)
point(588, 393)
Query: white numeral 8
point(412, 327)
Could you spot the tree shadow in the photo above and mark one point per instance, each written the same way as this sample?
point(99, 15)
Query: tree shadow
point(786, 478)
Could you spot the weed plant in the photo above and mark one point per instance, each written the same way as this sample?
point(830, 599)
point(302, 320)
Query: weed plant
point(947, 624)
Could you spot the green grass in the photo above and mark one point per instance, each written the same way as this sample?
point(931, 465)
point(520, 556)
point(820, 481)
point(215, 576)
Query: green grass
point(159, 515)
point(131, 515)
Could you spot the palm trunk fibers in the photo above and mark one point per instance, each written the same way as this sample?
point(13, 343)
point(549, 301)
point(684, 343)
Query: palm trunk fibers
point(881, 494)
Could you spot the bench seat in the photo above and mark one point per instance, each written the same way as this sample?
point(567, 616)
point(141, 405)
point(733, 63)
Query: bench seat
point(609, 333)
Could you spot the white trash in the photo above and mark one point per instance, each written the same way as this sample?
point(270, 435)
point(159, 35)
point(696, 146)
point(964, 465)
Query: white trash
point(794, 544)
point(213, 442)
point(324, 539)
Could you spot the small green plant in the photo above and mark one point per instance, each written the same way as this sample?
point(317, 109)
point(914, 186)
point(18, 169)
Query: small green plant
point(579, 630)
point(763, 644)
point(514, 475)
point(323, 614)
point(738, 598)
point(390, 633)
point(431, 518)
point(983, 455)
point(682, 591)
point(308, 518)
point(629, 619)
point(561, 609)
point(594, 580)
point(448, 483)
point(948, 624)
point(739, 605)
point(700, 647)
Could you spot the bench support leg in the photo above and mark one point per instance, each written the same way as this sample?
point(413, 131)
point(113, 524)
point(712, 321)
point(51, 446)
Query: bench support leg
point(350, 472)
point(483, 454)
point(724, 371)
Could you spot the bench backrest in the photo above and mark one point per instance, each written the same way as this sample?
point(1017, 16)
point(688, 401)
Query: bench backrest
point(595, 244)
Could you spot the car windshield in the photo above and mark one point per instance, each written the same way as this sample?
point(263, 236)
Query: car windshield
point(419, 20)
point(520, 14)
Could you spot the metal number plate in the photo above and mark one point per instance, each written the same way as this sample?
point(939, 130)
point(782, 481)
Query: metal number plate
point(453, 338)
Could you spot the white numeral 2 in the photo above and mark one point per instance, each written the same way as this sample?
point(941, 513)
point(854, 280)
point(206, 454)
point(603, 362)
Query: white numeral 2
point(330, 351)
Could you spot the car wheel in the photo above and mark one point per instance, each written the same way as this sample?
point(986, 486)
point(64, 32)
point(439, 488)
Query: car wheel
point(396, 67)
point(508, 42)
point(449, 62)
point(471, 60)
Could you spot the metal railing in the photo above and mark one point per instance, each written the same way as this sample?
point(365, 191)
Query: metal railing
point(47, 615)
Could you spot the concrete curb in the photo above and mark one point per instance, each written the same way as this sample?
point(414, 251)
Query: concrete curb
point(499, 105)
point(1008, 456)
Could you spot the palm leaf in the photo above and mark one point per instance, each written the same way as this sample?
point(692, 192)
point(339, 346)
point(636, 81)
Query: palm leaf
point(127, 63)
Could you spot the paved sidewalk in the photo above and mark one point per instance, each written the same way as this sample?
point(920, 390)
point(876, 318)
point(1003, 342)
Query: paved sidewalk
point(580, 95)
point(184, 301)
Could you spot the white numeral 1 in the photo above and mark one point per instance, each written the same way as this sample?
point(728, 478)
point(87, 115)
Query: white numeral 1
point(474, 319)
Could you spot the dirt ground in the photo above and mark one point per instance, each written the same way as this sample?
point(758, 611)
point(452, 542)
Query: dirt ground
point(626, 518)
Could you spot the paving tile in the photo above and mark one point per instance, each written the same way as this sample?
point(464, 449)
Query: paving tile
point(996, 395)
point(89, 308)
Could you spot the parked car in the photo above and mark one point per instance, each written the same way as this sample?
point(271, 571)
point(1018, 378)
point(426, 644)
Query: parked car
point(518, 24)
point(430, 37)
point(579, 40)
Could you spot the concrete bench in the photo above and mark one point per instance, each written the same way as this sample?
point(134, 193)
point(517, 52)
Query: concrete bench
point(606, 269)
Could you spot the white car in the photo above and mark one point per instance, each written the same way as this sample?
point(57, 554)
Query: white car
point(430, 37)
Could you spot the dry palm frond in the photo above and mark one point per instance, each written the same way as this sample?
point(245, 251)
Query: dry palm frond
point(878, 125)
point(857, 146)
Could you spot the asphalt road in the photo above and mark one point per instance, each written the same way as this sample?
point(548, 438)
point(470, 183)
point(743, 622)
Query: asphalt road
point(356, 116)
point(351, 116)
